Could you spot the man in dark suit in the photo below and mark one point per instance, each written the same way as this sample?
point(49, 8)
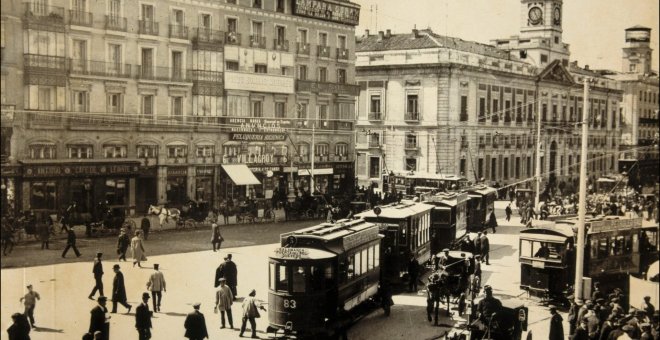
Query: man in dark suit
point(477, 245)
point(70, 242)
point(98, 276)
point(119, 290)
point(99, 321)
point(231, 274)
point(20, 328)
point(556, 325)
point(195, 324)
point(143, 318)
point(485, 248)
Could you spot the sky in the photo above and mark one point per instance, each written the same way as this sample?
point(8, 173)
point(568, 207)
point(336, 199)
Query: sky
point(593, 28)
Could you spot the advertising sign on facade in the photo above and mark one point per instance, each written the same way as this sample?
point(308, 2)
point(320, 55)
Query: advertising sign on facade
point(80, 170)
point(257, 137)
point(256, 82)
point(328, 10)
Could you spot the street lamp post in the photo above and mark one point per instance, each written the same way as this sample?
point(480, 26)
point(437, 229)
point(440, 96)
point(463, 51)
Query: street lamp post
point(582, 210)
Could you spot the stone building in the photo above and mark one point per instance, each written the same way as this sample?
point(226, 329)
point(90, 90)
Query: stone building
point(439, 104)
point(148, 102)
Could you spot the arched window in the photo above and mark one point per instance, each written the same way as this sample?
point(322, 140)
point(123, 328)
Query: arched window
point(114, 149)
point(43, 150)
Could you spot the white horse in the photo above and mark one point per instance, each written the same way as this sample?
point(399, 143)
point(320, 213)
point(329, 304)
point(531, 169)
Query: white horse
point(164, 214)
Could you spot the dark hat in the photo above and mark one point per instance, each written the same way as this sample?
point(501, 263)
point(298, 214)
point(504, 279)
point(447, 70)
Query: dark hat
point(102, 298)
point(253, 293)
point(145, 295)
point(645, 325)
point(229, 256)
point(616, 299)
point(29, 286)
point(99, 254)
point(647, 298)
point(196, 305)
point(552, 307)
point(156, 265)
point(488, 288)
point(116, 266)
point(639, 311)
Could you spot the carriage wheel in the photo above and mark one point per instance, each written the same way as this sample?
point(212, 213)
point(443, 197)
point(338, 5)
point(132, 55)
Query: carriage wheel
point(190, 224)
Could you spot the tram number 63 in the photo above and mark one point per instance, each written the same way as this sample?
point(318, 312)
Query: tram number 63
point(290, 304)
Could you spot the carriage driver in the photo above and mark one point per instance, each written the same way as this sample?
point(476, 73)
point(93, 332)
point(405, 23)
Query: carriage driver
point(488, 306)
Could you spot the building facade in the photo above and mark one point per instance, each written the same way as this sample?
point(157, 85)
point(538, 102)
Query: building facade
point(143, 102)
point(639, 110)
point(439, 104)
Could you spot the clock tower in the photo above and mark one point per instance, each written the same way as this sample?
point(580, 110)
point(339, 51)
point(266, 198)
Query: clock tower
point(540, 40)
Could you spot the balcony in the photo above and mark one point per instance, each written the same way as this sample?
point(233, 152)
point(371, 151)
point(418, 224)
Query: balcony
point(147, 27)
point(94, 120)
point(507, 119)
point(323, 51)
point(507, 145)
point(374, 144)
point(412, 117)
point(482, 145)
point(80, 18)
point(99, 68)
point(375, 116)
point(464, 145)
point(411, 147)
point(232, 38)
point(115, 23)
point(463, 117)
point(302, 49)
point(495, 145)
point(482, 118)
point(208, 39)
point(342, 54)
point(257, 41)
point(162, 74)
point(495, 118)
point(281, 45)
point(519, 120)
point(178, 31)
point(519, 145)
point(324, 87)
point(40, 16)
point(44, 63)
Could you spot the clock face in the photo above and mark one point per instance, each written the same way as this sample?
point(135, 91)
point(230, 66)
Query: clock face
point(556, 16)
point(535, 15)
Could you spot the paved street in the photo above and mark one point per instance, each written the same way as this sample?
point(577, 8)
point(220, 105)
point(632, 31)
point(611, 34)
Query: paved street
point(63, 312)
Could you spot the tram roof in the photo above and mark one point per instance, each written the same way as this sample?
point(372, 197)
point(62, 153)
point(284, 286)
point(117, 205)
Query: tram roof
point(428, 175)
point(449, 199)
point(330, 231)
point(549, 231)
point(481, 190)
point(398, 210)
point(285, 253)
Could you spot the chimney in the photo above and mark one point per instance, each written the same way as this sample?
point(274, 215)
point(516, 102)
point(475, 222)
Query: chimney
point(381, 35)
point(366, 33)
point(415, 33)
point(388, 33)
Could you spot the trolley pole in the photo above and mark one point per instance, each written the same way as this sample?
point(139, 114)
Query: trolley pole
point(582, 209)
point(537, 175)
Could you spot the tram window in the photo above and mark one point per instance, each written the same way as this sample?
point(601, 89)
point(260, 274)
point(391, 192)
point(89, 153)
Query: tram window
point(351, 267)
point(377, 255)
point(602, 248)
point(317, 277)
point(298, 279)
point(593, 253)
point(358, 265)
point(617, 245)
point(271, 276)
point(542, 251)
point(652, 238)
point(365, 260)
point(403, 236)
point(627, 245)
point(525, 248)
point(328, 276)
point(282, 279)
point(635, 243)
point(370, 257)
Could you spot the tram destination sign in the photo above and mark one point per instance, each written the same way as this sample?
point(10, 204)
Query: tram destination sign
point(361, 237)
point(609, 225)
point(292, 253)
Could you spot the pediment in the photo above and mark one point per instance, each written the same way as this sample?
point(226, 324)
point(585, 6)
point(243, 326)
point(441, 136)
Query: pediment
point(557, 73)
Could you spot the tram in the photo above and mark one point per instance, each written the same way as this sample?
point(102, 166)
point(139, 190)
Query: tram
point(414, 183)
point(481, 200)
point(319, 269)
point(614, 248)
point(406, 230)
point(448, 219)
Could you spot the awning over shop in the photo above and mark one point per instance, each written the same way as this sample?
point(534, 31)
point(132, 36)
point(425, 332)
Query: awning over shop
point(240, 174)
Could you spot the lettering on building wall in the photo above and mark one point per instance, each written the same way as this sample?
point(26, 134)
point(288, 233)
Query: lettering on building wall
point(81, 170)
point(327, 11)
point(257, 137)
point(259, 83)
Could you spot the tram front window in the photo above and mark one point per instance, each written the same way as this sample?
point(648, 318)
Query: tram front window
point(298, 279)
point(545, 250)
point(282, 284)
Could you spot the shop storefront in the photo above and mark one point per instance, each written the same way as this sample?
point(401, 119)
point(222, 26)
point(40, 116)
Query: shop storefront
point(238, 182)
point(177, 182)
point(204, 192)
point(53, 187)
point(329, 178)
point(10, 183)
point(146, 189)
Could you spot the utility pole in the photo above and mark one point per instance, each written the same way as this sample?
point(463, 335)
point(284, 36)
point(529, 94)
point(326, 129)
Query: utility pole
point(582, 209)
point(311, 174)
point(537, 175)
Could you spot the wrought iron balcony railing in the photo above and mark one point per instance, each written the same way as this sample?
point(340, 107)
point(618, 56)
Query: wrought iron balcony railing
point(115, 23)
point(80, 18)
point(281, 45)
point(375, 116)
point(302, 48)
point(162, 73)
point(323, 51)
point(257, 41)
point(99, 68)
point(342, 53)
point(206, 76)
point(39, 10)
point(178, 31)
point(207, 35)
point(147, 27)
point(44, 62)
point(412, 117)
point(232, 38)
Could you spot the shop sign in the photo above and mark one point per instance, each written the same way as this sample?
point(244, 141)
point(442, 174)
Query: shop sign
point(319, 87)
point(10, 170)
point(257, 125)
point(81, 170)
point(177, 171)
point(268, 158)
point(257, 137)
point(204, 171)
point(343, 166)
point(326, 10)
point(264, 169)
point(259, 82)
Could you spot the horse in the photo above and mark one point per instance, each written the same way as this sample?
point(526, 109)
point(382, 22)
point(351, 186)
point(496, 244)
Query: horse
point(164, 214)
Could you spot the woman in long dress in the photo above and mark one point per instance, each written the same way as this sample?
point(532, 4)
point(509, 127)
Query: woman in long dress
point(137, 248)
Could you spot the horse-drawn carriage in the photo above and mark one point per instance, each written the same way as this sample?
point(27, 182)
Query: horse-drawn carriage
point(454, 279)
point(166, 215)
point(308, 207)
